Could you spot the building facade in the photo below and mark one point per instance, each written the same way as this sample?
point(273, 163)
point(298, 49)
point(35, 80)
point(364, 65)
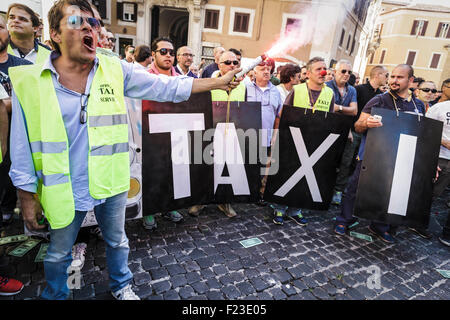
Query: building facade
point(331, 29)
point(418, 35)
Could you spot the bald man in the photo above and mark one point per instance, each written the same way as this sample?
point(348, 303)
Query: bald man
point(209, 70)
point(185, 58)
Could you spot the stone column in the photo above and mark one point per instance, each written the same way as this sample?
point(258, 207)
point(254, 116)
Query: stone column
point(195, 8)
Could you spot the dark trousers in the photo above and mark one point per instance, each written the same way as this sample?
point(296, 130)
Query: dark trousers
point(347, 163)
point(439, 187)
point(348, 203)
point(8, 195)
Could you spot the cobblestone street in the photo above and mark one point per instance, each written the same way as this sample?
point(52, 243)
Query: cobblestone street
point(201, 258)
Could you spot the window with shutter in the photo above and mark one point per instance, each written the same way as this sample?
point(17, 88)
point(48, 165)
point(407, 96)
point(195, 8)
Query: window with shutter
point(348, 41)
point(101, 7)
point(411, 58)
point(342, 37)
point(443, 30)
point(435, 61)
point(129, 10)
point(383, 54)
point(414, 28)
point(241, 22)
point(371, 58)
point(212, 19)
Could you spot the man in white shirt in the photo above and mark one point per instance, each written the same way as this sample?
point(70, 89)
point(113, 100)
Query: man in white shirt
point(441, 111)
point(289, 76)
point(143, 56)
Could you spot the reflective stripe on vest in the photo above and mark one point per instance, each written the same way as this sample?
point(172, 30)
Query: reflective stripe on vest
point(41, 55)
point(237, 94)
point(323, 102)
point(108, 174)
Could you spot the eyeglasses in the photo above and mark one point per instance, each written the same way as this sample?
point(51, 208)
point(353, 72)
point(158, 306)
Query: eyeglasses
point(75, 22)
point(345, 71)
point(112, 39)
point(228, 62)
point(83, 112)
point(190, 55)
point(164, 51)
point(428, 90)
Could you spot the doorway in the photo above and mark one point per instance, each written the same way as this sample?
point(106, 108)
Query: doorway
point(170, 22)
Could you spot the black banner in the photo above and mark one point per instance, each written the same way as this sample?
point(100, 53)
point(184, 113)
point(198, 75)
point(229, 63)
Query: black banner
point(168, 130)
point(237, 180)
point(399, 165)
point(310, 150)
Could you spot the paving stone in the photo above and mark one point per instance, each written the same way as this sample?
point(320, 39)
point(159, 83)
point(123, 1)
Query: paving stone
point(231, 292)
point(193, 277)
point(141, 278)
point(161, 286)
point(200, 287)
point(175, 269)
point(288, 289)
point(320, 293)
point(167, 260)
point(283, 276)
point(259, 284)
point(171, 295)
point(178, 280)
point(213, 284)
point(245, 288)
point(214, 295)
point(150, 263)
point(158, 273)
point(186, 292)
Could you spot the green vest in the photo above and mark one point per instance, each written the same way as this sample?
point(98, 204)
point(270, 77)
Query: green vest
point(323, 102)
point(237, 94)
point(108, 158)
point(42, 54)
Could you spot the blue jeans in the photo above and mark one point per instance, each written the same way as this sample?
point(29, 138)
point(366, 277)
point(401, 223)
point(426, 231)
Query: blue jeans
point(286, 210)
point(111, 219)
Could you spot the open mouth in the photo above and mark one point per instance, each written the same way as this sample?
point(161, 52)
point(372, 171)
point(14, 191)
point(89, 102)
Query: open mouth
point(88, 42)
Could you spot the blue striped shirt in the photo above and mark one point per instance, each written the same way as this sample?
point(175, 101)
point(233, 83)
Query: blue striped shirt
point(138, 84)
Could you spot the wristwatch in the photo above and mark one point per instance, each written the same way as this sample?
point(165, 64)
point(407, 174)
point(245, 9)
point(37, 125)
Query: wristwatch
point(340, 108)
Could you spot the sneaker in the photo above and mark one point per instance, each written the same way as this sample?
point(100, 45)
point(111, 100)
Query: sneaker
point(445, 242)
point(353, 223)
point(78, 252)
point(7, 217)
point(421, 232)
point(195, 210)
point(126, 293)
point(278, 219)
point(386, 237)
point(10, 287)
point(96, 232)
point(337, 197)
point(299, 219)
point(149, 222)
point(227, 209)
point(340, 229)
point(173, 216)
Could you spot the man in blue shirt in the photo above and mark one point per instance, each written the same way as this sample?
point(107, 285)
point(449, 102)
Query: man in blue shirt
point(397, 98)
point(72, 67)
point(345, 102)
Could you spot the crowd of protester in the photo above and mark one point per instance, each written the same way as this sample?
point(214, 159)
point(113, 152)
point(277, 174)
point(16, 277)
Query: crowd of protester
point(287, 84)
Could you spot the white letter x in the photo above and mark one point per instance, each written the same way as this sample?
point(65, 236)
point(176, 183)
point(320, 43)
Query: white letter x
point(307, 162)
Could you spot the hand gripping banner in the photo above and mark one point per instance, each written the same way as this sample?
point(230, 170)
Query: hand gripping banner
point(189, 159)
point(399, 164)
point(311, 145)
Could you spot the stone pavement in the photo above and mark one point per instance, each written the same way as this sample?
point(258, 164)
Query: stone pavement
point(201, 258)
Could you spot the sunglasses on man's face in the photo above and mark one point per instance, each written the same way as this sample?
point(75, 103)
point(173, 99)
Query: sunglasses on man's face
point(228, 62)
point(345, 71)
point(75, 22)
point(164, 51)
point(112, 39)
point(428, 90)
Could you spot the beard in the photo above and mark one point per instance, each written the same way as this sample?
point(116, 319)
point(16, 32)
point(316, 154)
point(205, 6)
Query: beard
point(3, 45)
